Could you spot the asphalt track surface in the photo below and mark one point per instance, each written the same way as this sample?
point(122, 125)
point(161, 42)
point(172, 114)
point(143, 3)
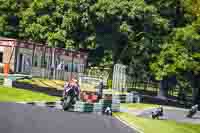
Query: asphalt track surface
point(20, 118)
point(175, 114)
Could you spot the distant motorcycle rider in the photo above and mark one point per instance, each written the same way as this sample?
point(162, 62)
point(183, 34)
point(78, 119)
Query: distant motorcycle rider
point(100, 89)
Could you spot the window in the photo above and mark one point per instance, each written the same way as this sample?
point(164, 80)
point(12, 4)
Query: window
point(75, 67)
point(78, 68)
point(83, 68)
point(66, 67)
point(44, 61)
point(69, 67)
point(1, 57)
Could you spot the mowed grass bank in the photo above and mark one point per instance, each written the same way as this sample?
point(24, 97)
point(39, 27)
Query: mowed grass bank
point(147, 125)
point(8, 94)
point(158, 126)
point(56, 84)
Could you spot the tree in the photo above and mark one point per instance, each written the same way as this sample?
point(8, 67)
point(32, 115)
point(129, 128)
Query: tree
point(58, 23)
point(180, 57)
point(179, 15)
point(131, 29)
point(10, 11)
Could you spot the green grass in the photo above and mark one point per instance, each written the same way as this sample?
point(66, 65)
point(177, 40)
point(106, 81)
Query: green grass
point(158, 126)
point(139, 106)
point(14, 95)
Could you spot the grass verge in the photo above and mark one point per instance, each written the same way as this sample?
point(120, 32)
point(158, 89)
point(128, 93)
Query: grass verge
point(158, 126)
point(138, 106)
point(8, 94)
point(58, 84)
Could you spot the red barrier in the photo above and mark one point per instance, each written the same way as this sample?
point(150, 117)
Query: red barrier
point(94, 97)
point(88, 96)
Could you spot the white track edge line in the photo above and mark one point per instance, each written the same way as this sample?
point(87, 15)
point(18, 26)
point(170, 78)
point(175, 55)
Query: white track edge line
point(129, 125)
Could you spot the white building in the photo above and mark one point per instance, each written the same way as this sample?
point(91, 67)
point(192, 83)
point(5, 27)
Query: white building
point(36, 59)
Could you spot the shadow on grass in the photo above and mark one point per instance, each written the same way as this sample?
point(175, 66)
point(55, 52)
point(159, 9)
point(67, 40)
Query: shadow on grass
point(195, 117)
point(46, 90)
point(150, 97)
point(57, 83)
point(45, 84)
point(167, 102)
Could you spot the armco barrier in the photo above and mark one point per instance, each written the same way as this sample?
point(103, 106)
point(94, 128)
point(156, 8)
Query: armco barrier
point(90, 103)
point(92, 97)
point(124, 98)
point(80, 106)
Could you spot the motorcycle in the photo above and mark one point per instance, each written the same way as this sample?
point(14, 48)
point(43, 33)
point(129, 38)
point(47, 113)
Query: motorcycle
point(70, 97)
point(190, 114)
point(192, 111)
point(107, 111)
point(158, 113)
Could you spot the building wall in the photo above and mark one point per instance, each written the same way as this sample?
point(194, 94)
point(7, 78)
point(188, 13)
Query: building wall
point(1, 63)
point(26, 60)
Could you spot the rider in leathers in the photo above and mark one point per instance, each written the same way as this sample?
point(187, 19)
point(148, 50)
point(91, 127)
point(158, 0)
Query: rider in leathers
point(73, 84)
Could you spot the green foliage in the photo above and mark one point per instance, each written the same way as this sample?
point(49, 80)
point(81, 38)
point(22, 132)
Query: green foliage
point(153, 37)
point(181, 55)
point(10, 15)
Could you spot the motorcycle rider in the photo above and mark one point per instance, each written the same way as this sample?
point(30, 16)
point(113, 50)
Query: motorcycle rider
point(73, 84)
point(100, 89)
point(192, 111)
point(76, 86)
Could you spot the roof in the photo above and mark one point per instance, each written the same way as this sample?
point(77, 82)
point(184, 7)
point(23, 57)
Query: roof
point(39, 44)
point(7, 39)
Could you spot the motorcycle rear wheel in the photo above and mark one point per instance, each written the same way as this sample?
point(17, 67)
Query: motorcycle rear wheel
point(67, 103)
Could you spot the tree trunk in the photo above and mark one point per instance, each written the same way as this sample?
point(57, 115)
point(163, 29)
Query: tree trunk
point(135, 83)
point(163, 90)
point(33, 59)
point(195, 95)
point(132, 84)
point(195, 89)
point(51, 64)
point(147, 85)
point(44, 62)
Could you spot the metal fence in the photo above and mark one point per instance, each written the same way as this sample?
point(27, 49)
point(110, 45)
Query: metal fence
point(56, 74)
point(119, 77)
